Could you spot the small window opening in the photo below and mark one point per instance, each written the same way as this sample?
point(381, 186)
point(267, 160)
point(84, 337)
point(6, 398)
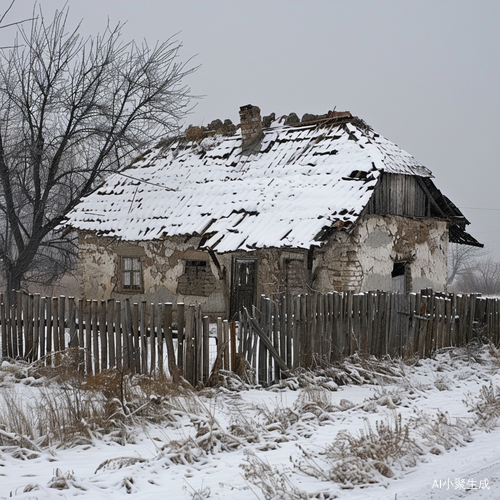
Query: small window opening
point(398, 269)
point(196, 266)
point(398, 275)
point(131, 273)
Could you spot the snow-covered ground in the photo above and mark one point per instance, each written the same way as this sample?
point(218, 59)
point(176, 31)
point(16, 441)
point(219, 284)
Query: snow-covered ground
point(418, 430)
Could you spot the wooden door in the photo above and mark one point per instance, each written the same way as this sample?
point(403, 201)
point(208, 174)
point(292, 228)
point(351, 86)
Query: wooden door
point(244, 290)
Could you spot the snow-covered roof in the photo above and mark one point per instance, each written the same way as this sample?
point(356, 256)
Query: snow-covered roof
point(282, 192)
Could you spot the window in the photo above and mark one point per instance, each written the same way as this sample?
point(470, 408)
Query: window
point(295, 275)
point(131, 273)
point(197, 279)
point(196, 268)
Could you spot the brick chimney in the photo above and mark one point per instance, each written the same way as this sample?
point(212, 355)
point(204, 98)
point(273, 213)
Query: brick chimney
point(251, 125)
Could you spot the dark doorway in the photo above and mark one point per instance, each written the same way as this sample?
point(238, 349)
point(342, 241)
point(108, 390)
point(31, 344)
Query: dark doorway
point(399, 283)
point(244, 285)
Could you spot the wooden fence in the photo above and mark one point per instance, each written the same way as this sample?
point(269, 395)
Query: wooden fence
point(281, 334)
point(135, 337)
point(306, 330)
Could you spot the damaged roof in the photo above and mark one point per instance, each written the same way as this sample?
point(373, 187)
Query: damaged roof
point(284, 190)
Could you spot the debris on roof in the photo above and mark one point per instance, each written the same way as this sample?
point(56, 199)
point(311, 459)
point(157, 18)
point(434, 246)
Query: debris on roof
point(287, 188)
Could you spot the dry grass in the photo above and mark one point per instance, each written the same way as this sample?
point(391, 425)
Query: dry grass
point(440, 433)
point(66, 409)
point(486, 406)
point(367, 458)
point(273, 483)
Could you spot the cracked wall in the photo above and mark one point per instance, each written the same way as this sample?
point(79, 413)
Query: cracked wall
point(360, 261)
point(163, 269)
point(364, 260)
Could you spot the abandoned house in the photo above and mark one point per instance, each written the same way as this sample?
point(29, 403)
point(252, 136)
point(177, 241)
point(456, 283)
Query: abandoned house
point(224, 214)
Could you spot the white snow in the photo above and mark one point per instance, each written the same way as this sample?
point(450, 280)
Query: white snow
point(272, 431)
point(293, 185)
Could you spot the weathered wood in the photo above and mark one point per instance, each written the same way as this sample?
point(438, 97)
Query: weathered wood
point(81, 336)
point(61, 323)
point(189, 353)
point(28, 326)
point(152, 340)
point(262, 361)
point(95, 336)
point(128, 340)
point(232, 330)
point(167, 325)
point(118, 335)
point(265, 340)
point(303, 329)
point(103, 335)
point(88, 337)
point(19, 323)
point(296, 359)
point(226, 336)
point(47, 326)
point(180, 337)
point(275, 326)
point(290, 330)
point(198, 346)
point(111, 333)
point(160, 339)
point(5, 337)
point(206, 351)
point(73, 336)
point(137, 342)
point(54, 322)
point(144, 337)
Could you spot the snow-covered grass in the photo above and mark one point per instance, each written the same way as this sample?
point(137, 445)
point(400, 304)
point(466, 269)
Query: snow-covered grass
point(366, 429)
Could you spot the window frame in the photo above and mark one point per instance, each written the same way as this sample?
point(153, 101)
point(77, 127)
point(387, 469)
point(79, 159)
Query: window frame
point(132, 288)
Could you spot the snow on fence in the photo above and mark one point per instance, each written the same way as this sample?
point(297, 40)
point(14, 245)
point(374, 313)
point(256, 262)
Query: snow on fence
point(289, 332)
point(136, 337)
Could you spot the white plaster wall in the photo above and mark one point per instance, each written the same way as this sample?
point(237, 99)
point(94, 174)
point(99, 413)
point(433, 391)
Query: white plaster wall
point(163, 263)
point(364, 259)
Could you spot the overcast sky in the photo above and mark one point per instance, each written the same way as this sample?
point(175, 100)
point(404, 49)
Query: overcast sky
point(425, 74)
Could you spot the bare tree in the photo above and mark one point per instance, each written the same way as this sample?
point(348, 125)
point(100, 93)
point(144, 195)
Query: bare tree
point(482, 277)
point(73, 109)
point(461, 258)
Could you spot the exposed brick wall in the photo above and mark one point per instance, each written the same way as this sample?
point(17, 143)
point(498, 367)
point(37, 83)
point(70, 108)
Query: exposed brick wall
point(251, 124)
point(197, 279)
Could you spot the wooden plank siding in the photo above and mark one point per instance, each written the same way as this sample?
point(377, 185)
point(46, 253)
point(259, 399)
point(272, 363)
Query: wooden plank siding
point(398, 194)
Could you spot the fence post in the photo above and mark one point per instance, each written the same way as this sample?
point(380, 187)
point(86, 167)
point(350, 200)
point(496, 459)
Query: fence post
point(81, 336)
point(73, 341)
point(206, 349)
point(88, 338)
point(95, 337)
point(144, 337)
point(137, 341)
point(159, 339)
point(152, 340)
point(180, 337)
point(3, 321)
point(61, 323)
point(103, 334)
point(190, 326)
point(262, 349)
point(167, 325)
point(110, 320)
point(118, 335)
